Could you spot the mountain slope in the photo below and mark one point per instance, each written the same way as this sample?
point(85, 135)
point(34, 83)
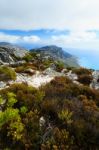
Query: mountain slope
point(10, 53)
point(58, 54)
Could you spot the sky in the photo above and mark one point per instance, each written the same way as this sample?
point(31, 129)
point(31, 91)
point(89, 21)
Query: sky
point(71, 24)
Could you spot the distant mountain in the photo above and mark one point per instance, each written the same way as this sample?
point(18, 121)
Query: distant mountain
point(12, 53)
point(57, 53)
point(9, 52)
point(4, 43)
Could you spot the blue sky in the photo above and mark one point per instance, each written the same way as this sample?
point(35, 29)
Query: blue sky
point(71, 24)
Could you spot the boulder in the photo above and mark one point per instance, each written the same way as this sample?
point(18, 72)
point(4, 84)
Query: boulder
point(95, 81)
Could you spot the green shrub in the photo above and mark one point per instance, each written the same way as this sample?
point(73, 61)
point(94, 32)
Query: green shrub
point(28, 57)
point(70, 113)
point(59, 66)
point(82, 71)
point(20, 69)
point(84, 75)
point(7, 73)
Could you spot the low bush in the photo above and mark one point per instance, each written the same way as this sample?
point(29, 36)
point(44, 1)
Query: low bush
point(59, 115)
point(82, 71)
point(85, 79)
point(7, 73)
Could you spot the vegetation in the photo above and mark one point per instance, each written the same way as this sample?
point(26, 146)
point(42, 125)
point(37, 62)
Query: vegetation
point(28, 57)
point(82, 71)
point(59, 66)
point(60, 115)
point(7, 73)
point(70, 115)
point(84, 75)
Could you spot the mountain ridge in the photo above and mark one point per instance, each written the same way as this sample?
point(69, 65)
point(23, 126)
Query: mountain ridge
point(57, 53)
point(12, 53)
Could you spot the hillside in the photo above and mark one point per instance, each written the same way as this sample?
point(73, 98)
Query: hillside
point(10, 53)
point(49, 110)
point(58, 54)
point(46, 105)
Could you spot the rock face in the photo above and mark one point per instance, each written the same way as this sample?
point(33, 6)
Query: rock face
point(95, 82)
point(58, 54)
point(9, 53)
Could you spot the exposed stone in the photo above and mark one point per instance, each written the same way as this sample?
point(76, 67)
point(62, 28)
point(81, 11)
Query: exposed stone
point(71, 75)
point(35, 80)
point(64, 71)
point(52, 72)
point(11, 53)
point(95, 81)
point(42, 121)
point(2, 84)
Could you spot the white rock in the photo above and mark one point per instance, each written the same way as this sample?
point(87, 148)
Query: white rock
point(2, 84)
point(95, 83)
point(42, 121)
point(71, 75)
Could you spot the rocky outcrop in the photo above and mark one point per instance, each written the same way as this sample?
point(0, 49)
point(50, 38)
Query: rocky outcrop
point(36, 78)
point(51, 72)
point(5, 56)
point(72, 76)
point(95, 81)
point(11, 53)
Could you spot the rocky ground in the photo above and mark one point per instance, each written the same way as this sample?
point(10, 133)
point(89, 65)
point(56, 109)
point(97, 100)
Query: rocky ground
point(38, 79)
point(42, 77)
point(51, 56)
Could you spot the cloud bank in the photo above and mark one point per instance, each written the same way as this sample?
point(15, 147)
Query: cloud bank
point(48, 14)
point(18, 39)
point(81, 39)
point(79, 17)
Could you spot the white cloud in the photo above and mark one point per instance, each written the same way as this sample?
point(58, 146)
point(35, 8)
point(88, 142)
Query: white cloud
point(83, 35)
point(57, 14)
point(82, 40)
point(76, 37)
point(18, 39)
point(9, 38)
point(31, 39)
